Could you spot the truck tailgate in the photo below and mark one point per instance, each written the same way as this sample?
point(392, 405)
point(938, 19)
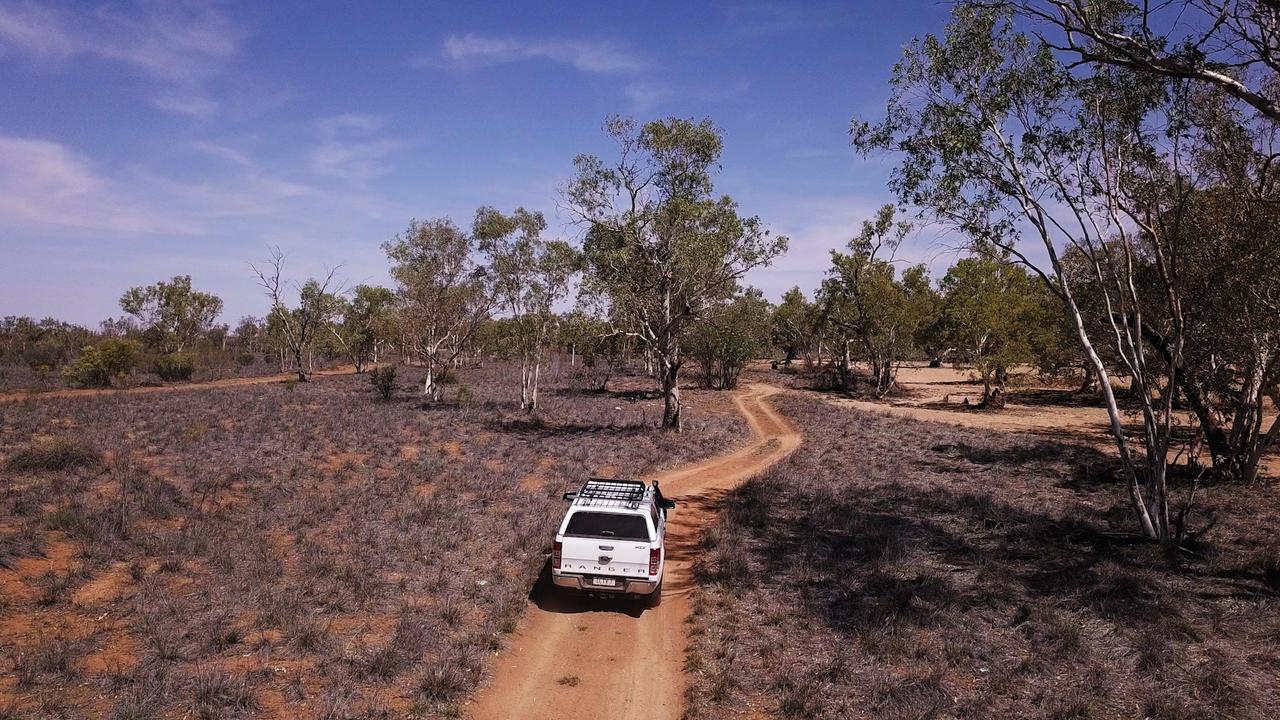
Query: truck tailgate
point(596, 556)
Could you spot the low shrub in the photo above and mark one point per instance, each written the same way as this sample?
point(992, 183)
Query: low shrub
point(217, 692)
point(383, 380)
point(176, 367)
point(466, 396)
point(103, 364)
point(43, 357)
point(54, 455)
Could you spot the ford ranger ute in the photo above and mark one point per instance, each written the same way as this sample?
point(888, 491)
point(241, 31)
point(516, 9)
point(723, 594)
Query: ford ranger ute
point(612, 539)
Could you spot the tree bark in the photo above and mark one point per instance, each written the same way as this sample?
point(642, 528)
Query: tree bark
point(670, 371)
point(1113, 411)
point(430, 388)
point(300, 367)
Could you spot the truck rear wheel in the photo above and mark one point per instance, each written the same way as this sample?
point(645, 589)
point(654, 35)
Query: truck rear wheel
point(654, 599)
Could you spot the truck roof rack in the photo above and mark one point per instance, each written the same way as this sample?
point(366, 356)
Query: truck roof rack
point(605, 492)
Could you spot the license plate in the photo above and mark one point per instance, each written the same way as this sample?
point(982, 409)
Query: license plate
point(604, 582)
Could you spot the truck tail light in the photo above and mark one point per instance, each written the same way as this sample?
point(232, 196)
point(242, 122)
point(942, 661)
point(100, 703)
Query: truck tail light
point(655, 556)
point(557, 551)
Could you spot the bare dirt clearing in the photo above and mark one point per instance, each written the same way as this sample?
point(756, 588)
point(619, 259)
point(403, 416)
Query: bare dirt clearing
point(587, 658)
point(938, 394)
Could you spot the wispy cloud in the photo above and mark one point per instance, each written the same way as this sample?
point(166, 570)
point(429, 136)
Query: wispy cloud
point(350, 148)
point(768, 17)
point(176, 41)
point(350, 122)
point(229, 154)
point(47, 186)
point(193, 106)
point(354, 160)
point(645, 96)
point(592, 56)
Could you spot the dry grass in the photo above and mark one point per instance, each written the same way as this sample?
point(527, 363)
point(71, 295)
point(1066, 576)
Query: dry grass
point(293, 550)
point(16, 376)
point(53, 454)
point(894, 568)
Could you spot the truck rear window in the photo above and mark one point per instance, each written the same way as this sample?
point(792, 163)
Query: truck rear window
point(608, 525)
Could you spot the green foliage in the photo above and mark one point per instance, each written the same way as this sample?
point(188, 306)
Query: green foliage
point(297, 330)
point(875, 313)
point(45, 345)
point(173, 314)
point(661, 249)
point(178, 366)
point(729, 337)
point(995, 316)
point(794, 326)
point(44, 356)
point(444, 294)
point(383, 380)
point(597, 348)
point(103, 364)
point(529, 275)
point(53, 455)
point(368, 323)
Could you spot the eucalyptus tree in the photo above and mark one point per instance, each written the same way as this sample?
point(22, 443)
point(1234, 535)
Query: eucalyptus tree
point(530, 274)
point(794, 327)
point(1231, 46)
point(659, 245)
point(366, 325)
point(595, 348)
point(444, 294)
point(996, 316)
point(871, 307)
point(729, 336)
point(1230, 364)
point(1210, 218)
point(173, 314)
point(297, 328)
point(1001, 140)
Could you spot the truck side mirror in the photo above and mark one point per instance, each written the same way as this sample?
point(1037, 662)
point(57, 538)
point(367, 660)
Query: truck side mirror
point(667, 504)
point(571, 496)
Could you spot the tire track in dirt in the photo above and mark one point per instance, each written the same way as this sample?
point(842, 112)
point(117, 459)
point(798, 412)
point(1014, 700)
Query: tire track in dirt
point(224, 383)
point(583, 658)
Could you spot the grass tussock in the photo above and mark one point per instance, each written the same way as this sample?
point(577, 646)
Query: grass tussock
point(53, 455)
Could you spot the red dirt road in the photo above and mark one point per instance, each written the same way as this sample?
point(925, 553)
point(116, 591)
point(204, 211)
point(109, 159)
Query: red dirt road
point(20, 395)
point(583, 658)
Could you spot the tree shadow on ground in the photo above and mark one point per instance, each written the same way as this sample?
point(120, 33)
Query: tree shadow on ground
point(541, 428)
point(897, 556)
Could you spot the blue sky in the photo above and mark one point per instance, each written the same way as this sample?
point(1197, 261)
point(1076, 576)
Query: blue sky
point(139, 141)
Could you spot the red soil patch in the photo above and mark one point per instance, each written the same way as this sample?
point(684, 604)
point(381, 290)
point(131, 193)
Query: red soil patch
point(120, 654)
point(535, 480)
point(106, 587)
point(451, 449)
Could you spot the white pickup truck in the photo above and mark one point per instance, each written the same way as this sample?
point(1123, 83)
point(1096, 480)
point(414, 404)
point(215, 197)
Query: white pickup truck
point(612, 539)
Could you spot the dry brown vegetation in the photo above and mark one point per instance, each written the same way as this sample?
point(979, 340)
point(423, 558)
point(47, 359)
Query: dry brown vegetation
point(19, 378)
point(895, 568)
point(291, 550)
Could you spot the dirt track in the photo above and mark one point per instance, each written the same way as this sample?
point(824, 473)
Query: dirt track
point(20, 395)
point(584, 658)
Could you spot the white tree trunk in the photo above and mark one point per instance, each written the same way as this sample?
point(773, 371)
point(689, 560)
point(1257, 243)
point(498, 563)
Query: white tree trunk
point(429, 386)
